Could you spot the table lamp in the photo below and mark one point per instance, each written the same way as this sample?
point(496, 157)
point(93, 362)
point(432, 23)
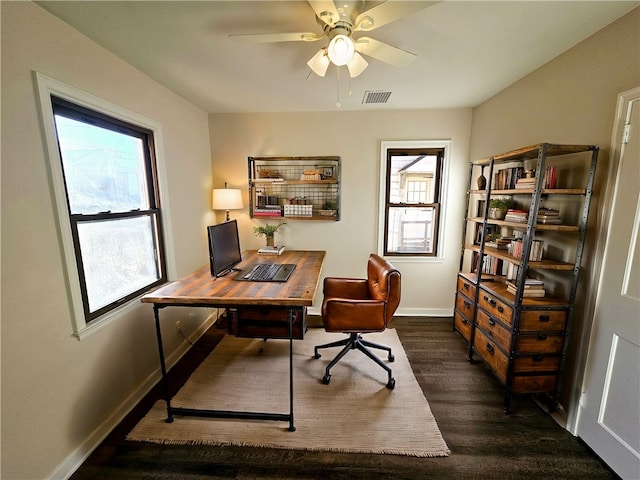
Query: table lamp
point(226, 199)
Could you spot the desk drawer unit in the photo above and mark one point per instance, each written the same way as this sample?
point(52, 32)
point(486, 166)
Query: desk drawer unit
point(495, 307)
point(257, 322)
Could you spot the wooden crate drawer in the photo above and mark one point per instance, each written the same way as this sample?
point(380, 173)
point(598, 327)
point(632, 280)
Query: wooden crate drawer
point(462, 325)
point(268, 323)
point(536, 363)
point(495, 308)
point(491, 354)
point(466, 287)
point(534, 384)
point(547, 321)
point(540, 343)
point(465, 306)
point(494, 330)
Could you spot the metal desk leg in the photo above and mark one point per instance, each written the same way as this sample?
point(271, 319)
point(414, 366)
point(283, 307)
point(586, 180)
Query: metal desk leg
point(292, 316)
point(163, 366)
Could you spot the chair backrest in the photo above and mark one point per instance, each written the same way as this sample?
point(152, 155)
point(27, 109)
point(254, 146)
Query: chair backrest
point(384, 283)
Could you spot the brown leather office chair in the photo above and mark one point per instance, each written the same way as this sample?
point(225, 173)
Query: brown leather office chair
point(361, 305)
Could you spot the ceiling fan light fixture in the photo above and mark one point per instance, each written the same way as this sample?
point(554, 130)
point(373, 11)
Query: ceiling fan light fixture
point(357, 65)
point(319, 63)
point(340, 50)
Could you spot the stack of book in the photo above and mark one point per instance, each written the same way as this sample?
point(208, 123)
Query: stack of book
point(526, 182)
point(517, 216)
point(499, 243)
point(548, 216)
point(532, 288)
point(267, 211)
point(274, 250)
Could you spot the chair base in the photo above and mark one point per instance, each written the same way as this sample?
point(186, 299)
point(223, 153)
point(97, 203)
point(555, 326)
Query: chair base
point(356, 342)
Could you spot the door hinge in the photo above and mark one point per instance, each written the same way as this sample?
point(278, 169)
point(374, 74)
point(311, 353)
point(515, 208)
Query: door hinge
point(625, 133)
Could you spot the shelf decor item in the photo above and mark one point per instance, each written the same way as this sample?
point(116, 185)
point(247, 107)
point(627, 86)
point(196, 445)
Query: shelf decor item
point(482, 180)
point(268, 231)
point(498, 207)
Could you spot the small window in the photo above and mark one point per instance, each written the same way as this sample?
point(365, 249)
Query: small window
point(110, 181)
point(412, 200)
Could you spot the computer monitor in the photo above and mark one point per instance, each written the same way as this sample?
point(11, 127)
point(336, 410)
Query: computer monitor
point(224, 247)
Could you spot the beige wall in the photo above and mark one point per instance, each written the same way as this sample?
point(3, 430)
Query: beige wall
point(571, 99)
point(427, 288)
point(57, 391)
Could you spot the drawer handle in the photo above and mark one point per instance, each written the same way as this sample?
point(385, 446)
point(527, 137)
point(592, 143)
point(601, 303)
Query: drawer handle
point(542, 336)
point(465, 286)
point(492, 322)
point(492, 302)
point(537, 358)
point(467, 304)
point(490, 348)
point(544, 318)
point(500, 309)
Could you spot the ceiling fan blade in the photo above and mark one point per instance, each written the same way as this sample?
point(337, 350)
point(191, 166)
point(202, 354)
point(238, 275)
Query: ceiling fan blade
point(384, 52)
point(357, 65)
point(276, 37)
point(325, 10)
point(319, 63)
point(385, 13)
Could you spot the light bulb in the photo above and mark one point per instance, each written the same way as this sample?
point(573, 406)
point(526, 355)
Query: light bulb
point(340, 50)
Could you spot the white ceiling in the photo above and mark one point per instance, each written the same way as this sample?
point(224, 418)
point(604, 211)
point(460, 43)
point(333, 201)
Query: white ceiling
point(467, 50)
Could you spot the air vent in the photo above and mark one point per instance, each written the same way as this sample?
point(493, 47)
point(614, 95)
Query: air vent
point(377, 96)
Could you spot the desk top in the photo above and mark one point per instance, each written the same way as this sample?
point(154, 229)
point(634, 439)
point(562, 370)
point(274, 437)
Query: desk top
point(201, 289)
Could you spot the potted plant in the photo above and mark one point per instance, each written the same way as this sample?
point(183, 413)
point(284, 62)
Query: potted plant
point(268, 231)
point(328, 208)
point(498, 207)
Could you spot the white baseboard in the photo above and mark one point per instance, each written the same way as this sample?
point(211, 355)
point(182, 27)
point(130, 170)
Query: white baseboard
point(73, 461)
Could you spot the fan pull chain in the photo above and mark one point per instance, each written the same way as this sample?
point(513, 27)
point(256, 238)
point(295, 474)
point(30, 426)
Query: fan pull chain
point(338, 104)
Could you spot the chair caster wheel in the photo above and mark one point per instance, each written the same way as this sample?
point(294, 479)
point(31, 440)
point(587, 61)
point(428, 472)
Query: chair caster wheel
point(317, 355)
point(391, 383)
point(391, 358)
point(326, 379)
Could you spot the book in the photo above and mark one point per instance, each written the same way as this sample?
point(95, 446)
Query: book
point(275, 250)
point(528, 293)
point(517, 216)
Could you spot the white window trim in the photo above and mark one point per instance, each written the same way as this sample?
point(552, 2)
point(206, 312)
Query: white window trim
point(48, 86)
point(386, 145)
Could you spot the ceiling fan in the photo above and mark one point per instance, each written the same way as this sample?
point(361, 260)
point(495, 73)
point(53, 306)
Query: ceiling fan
point(339, 23)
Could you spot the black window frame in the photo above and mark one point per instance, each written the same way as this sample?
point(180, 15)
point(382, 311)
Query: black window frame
point(95, 118)
point(439, 152)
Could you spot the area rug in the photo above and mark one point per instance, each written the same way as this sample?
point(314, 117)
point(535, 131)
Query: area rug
point(354, 413)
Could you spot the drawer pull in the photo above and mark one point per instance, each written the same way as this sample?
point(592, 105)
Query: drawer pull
point(537, 358)
point(544, 318)
point(542, 336)
point(465, 286)
point(492, 302)
point(467, 304)
point(492, 322)
point(500, 309)
point(490, 348)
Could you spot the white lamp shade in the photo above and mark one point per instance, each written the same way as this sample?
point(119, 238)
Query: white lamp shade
point(319, 62)
point(357, 65)
point(340, 50)
point(226, 199)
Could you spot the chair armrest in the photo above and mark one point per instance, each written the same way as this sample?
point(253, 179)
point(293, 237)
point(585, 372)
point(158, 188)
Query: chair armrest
point(357, 288)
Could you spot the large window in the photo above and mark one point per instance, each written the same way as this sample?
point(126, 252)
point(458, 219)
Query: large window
point(111, 188)
point(412, 200)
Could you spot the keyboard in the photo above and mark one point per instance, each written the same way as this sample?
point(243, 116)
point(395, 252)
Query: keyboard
point(267, 272)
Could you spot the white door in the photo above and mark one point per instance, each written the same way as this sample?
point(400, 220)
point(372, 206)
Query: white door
point(609, 413)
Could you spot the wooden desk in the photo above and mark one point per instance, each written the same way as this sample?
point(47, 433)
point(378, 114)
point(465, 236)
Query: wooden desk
point(200, 289)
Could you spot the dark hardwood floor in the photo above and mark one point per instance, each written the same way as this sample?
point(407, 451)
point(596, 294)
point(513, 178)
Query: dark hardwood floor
point(465, 399)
